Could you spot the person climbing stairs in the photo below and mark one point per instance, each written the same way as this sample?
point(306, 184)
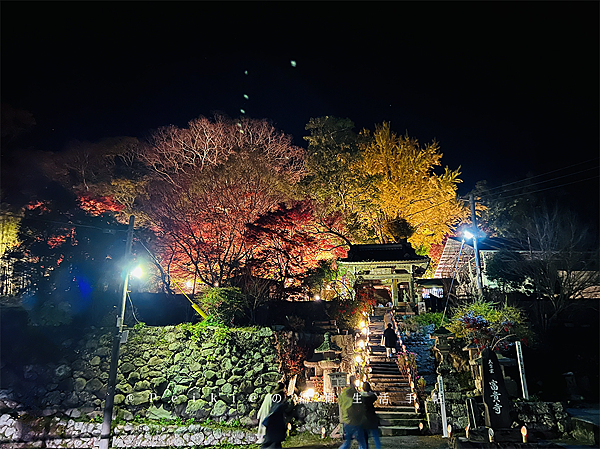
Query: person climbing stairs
point(395, 405)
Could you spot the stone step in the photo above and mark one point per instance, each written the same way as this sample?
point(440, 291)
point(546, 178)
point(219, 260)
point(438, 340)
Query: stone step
point(384, 366)
point(405, 409)
point(399, 385)
point(401, 422)
point(391, 375)
point(400, 382)
point(399, 430)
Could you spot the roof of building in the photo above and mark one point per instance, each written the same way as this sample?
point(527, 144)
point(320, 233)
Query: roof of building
point(383, 253)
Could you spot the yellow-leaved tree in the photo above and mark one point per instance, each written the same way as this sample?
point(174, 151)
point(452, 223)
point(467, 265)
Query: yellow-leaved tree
point(411, 200)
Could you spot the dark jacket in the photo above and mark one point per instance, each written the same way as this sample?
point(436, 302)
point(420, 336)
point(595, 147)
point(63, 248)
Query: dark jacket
point(391, 340)
point(371, 419)
point(352, 409)
point(276, 423)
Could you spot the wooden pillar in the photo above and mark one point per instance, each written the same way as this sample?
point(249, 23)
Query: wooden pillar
point(395, 292)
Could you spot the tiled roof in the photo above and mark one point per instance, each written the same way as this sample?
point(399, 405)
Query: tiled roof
point(382, 253)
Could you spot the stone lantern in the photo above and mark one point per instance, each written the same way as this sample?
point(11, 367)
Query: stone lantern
point(325, 361)
point(442, 337)
point(473, 351)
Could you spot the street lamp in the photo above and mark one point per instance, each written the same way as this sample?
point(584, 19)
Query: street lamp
point(474, 234)
point(119, 336)
point(470, 235)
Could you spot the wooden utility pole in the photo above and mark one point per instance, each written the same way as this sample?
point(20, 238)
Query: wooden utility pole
point(475, 235)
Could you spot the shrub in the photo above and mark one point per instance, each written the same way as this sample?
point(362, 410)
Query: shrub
point(223, 305)
point(489, 325)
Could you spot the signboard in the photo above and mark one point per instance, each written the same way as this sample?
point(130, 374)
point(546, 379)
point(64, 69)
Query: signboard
point(495, 396)
point(442, 401)
point(522, 370)
point(338, 379)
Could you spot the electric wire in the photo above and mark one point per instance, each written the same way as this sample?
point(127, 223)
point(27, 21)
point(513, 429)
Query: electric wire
point(132, 308)
point(550, 188)
point(67, 225)
point(542, 174)
point(539, 182)
point(195, 306)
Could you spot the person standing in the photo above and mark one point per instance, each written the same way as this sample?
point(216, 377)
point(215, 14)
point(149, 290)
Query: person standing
point(390, 340)
point(275, 422)
point(371, 424)
point(352, 416)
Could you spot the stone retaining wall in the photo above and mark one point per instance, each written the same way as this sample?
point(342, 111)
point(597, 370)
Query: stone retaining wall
point(164, 372)
point(62, 433)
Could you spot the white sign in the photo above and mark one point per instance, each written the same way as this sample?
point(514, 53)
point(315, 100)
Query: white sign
point(338, 379)
point(522, 370)
point(442, 401)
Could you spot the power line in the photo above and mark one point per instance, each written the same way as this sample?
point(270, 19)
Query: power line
point(543, 174)
point(553, 187)
point(540, 182)
point(67, 225)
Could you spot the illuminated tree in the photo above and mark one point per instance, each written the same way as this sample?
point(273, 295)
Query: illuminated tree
point(215, 177)
point(411, 196)
point(66, 259)
point(288, 243)
point(385, 186)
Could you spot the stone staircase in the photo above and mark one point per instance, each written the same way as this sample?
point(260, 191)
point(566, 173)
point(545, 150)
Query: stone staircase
point(394, 406)
point(325, 326)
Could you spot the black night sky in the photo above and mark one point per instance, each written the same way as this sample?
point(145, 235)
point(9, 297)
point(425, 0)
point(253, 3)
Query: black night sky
point(509, 89)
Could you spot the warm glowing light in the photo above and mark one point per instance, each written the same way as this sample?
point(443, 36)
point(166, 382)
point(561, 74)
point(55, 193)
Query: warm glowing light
point(362, 324)
point(323, 432)
point(420, 426)
point(468, 235)
point(289, 426)
point(361, 344)
point(449, 428)
point(189, 284)
point(317, 298)
point(358, 358)
point(310, 393)
point(491, 435)
point(524, 434)
point(364, 330)
point(136, 272)
point(467, 430)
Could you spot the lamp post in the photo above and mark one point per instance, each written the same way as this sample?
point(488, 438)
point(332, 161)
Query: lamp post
point(114, 359)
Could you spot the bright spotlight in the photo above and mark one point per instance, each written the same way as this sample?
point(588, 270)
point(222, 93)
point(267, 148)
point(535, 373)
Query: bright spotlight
point(136, 272)
point(468, 235)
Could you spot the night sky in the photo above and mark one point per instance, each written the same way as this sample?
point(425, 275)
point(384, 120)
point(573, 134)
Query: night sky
point(507, 88)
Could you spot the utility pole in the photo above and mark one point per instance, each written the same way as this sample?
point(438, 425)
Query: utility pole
point(475, 234)
point(114, 359)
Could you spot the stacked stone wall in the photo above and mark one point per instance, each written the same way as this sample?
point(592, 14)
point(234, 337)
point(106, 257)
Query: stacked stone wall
point(186, 373)
point(67, 433)
point(164, 372)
